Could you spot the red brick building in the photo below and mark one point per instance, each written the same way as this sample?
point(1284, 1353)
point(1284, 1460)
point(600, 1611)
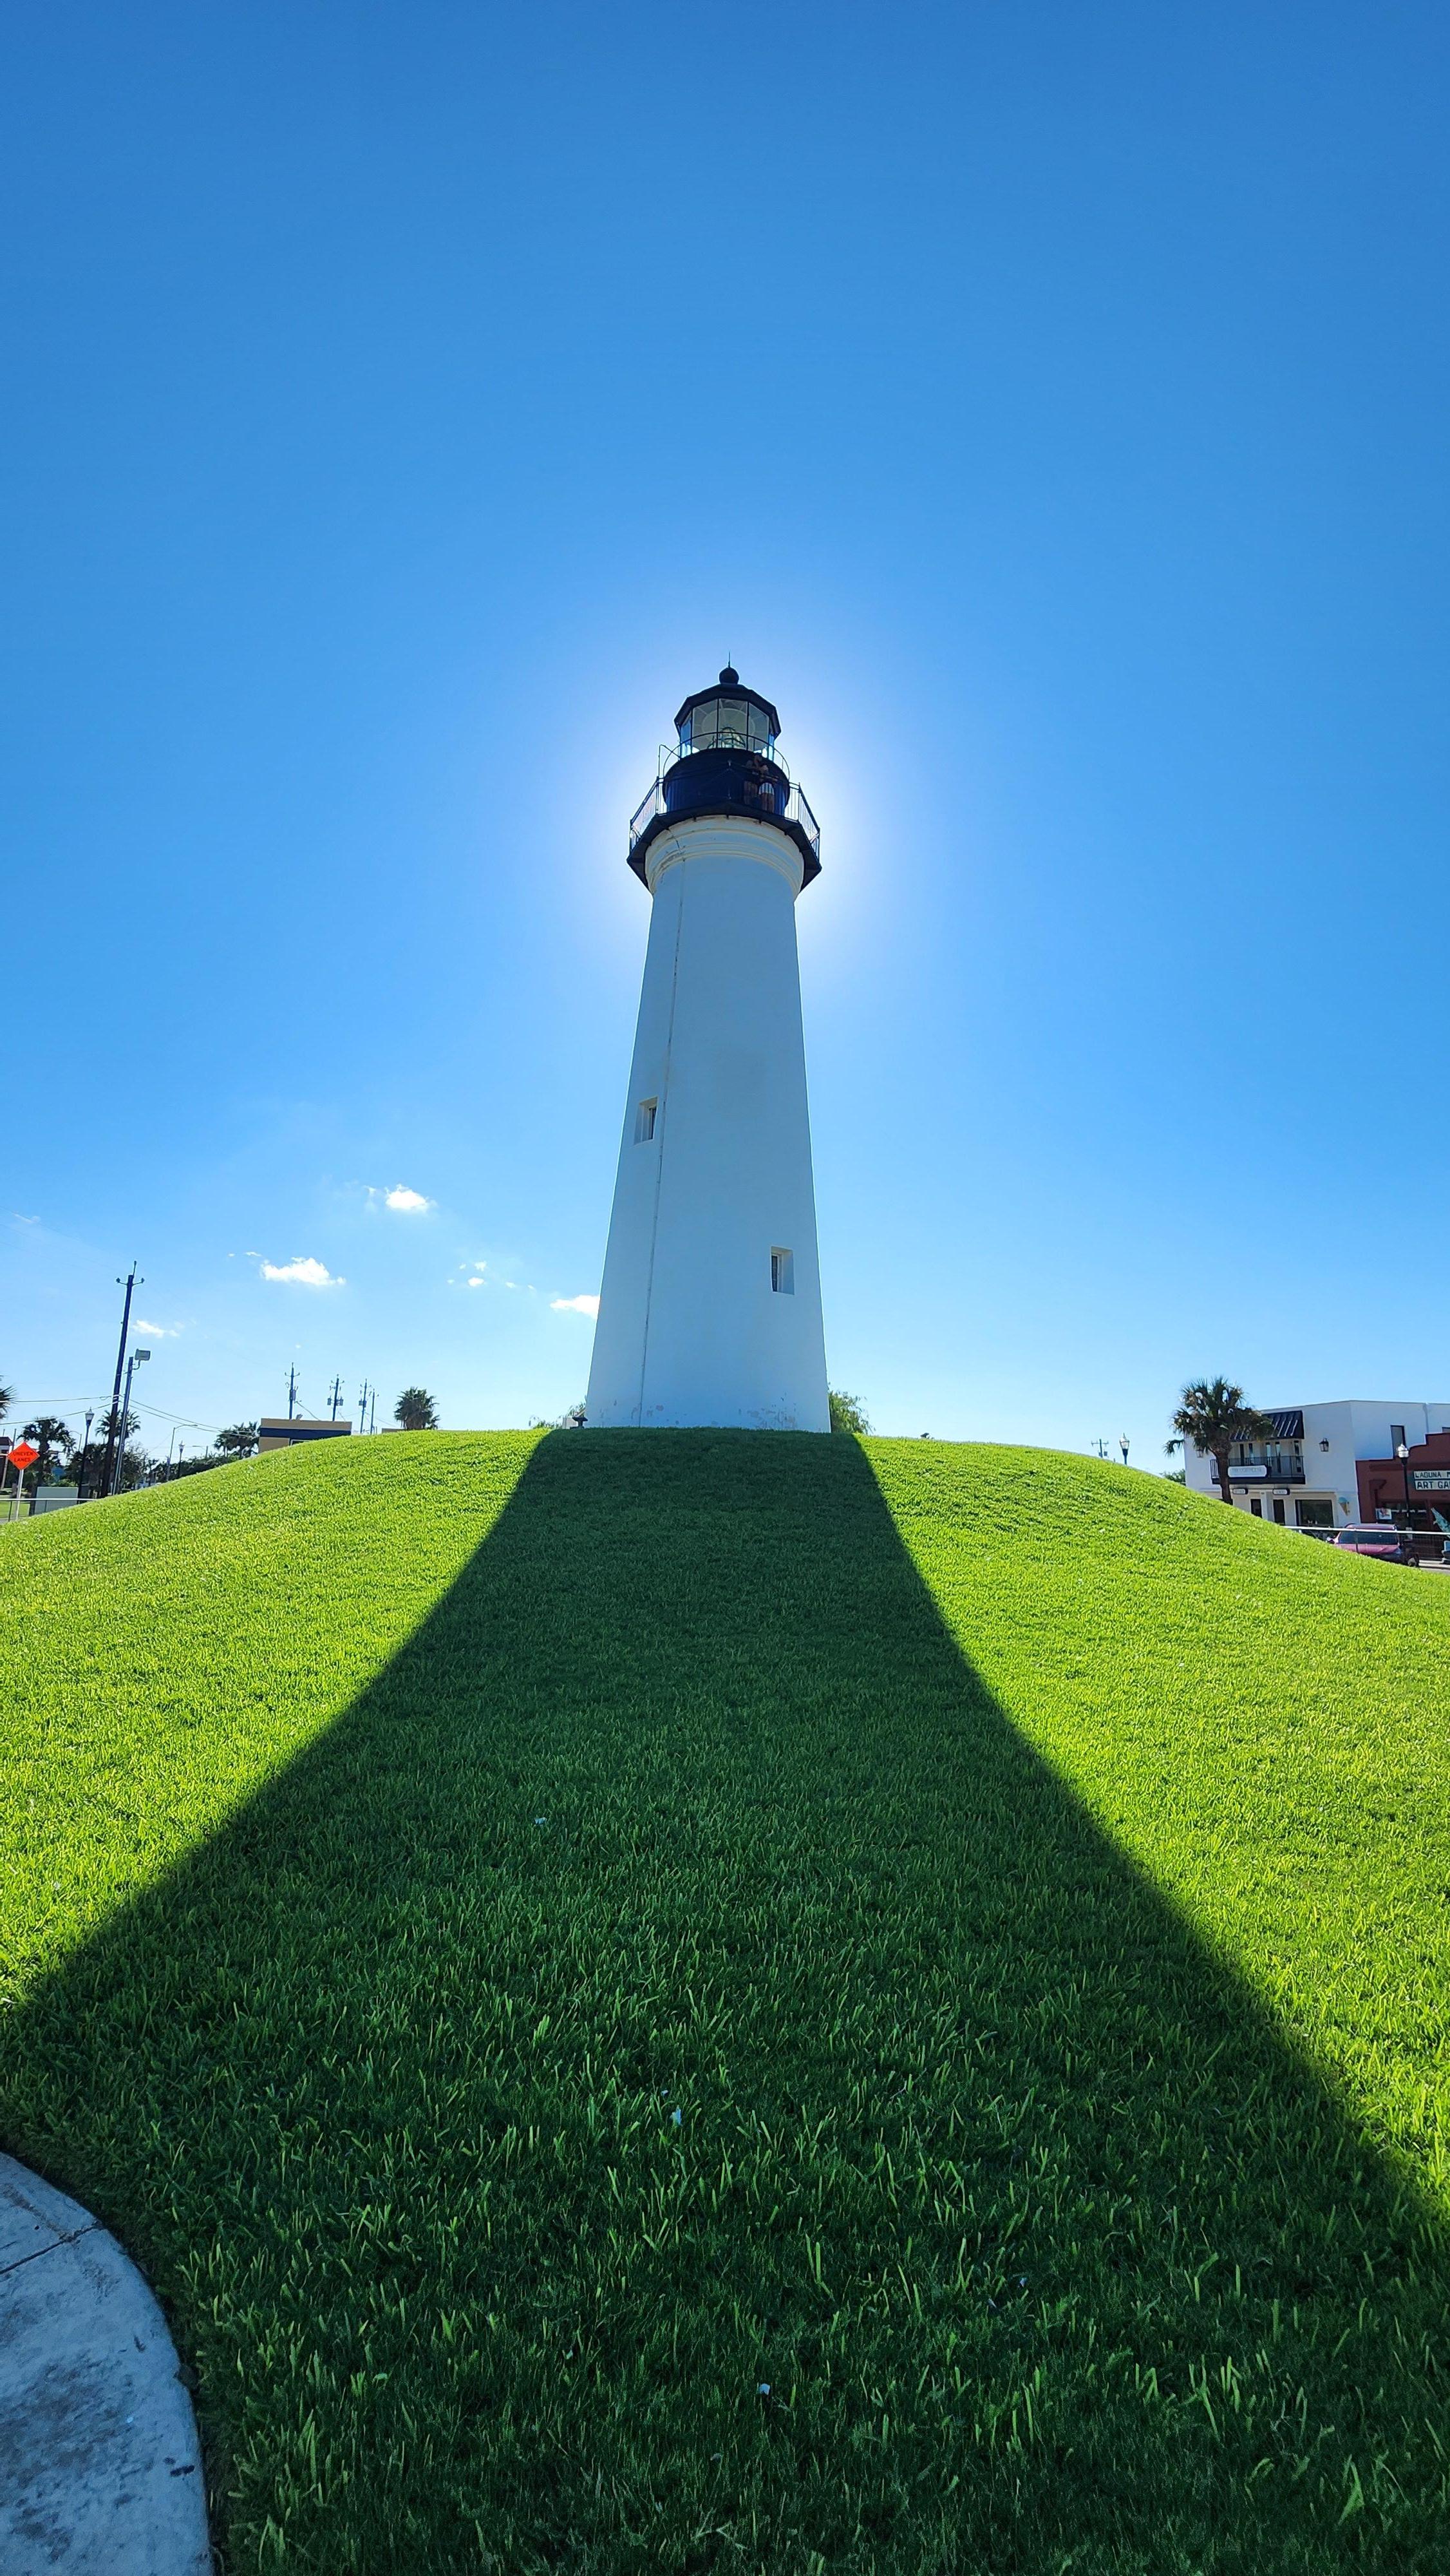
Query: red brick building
point(1421, 1480)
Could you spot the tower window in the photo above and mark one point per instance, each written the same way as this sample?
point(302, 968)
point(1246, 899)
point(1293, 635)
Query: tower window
point(644, 1121)
point(782, 1271)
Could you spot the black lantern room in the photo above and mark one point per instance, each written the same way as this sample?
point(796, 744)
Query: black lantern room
point(725, 763)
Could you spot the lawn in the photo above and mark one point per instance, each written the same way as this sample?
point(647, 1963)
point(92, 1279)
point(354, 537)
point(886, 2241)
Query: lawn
point(706, 2001)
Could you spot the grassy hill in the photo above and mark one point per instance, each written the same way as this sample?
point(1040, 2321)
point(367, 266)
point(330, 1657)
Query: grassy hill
point(707, 2001)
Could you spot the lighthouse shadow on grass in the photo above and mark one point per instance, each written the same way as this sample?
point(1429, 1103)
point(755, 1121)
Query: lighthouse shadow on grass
point(671, 2080)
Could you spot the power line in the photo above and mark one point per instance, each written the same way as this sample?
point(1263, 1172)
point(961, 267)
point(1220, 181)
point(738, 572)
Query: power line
point(182, 1421)
point(44, 1403)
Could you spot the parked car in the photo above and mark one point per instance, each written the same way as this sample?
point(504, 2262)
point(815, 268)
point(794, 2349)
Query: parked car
point(1377, 1538)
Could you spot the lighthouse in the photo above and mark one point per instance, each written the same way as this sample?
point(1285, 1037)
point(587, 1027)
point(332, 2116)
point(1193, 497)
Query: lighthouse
point(710, 1310)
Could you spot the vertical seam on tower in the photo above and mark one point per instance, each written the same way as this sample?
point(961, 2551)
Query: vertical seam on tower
point(664, 1129)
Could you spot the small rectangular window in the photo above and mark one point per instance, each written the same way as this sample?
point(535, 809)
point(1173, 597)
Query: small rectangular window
point(782, 1271)
point(644, 1121)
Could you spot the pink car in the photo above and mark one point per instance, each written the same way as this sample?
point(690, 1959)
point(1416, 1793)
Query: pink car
point(1377, 1538)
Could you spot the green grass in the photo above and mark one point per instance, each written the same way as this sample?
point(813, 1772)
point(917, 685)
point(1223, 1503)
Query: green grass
point(533, 1944)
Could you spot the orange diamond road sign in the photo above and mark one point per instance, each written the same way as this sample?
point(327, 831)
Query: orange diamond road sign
point(22, 1455)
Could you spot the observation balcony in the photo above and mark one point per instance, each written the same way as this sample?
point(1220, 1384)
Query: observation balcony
point(1260, 1465)
point(727, 771)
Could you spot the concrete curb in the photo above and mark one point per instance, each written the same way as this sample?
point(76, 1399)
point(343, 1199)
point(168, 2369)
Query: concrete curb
point(100, 2466)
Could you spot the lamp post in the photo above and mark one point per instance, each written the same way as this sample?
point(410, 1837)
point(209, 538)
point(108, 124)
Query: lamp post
point(1123, 1445)
point(85, 1454)
point(1403, 1455)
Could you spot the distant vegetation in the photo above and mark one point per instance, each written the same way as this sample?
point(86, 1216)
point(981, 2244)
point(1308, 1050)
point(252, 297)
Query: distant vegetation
point(238, 1441)
point(719, 2002)
point(848, 1413)
point(415, 1410)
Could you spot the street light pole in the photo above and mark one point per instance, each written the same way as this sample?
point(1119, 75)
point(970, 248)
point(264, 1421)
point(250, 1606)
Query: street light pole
point(1403, 1455)
point(133, 1363)
point(85, 1454)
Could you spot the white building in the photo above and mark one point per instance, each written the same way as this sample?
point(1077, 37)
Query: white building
point(710, 1309)
point(1306, 1474)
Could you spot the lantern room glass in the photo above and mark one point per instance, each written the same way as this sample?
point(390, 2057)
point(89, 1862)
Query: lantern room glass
point(727, 723)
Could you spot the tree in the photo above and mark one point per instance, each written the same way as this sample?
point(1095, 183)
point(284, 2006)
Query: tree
point(52, 1438)
point(128, 1465)
point(848, 1413)
point(238, 1441)
point(415, 1409)
point(1210, 1418)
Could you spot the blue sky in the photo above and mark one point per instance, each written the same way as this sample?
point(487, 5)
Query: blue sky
point(1045, 405)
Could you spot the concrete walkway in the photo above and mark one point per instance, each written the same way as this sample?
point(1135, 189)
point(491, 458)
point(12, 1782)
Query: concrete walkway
point(100, 2468)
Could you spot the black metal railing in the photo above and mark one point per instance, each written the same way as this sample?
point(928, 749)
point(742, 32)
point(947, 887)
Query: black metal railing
point(793, 811)
point(1274, 1469)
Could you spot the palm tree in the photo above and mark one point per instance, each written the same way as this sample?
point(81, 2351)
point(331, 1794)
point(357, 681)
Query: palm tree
point(1210, 1418)
point(50, 1435)
point(416, 1410)
point(238, 1441)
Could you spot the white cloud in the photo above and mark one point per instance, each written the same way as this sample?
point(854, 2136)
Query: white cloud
point(478, 1283)
point(303, 1273)
point(404, 1202)
point(158, 1332)
point(575, 1305)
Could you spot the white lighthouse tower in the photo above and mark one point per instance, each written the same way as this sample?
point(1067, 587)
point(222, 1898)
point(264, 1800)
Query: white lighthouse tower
point(710, 1311)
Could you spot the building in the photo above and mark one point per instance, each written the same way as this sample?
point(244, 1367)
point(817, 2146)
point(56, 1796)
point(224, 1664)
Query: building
point(282, 1431)
point(710, 1307)
point(1324, 1465)
point(1413, 1489)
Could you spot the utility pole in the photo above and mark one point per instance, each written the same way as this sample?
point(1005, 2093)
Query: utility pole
point(372, 1426)
point(336, 1396)
point(1100, 1448)
point(362, 1406)
point(106, 1471)
point(291, 1392)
